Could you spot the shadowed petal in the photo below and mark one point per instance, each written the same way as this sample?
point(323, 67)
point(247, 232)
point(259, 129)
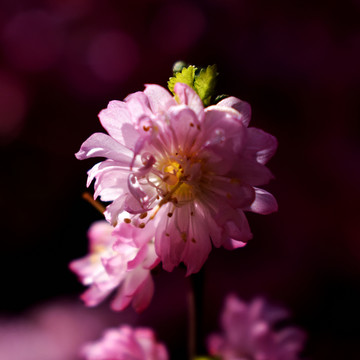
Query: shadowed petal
point(242, 107)
point(260, 145)
point(264, 202)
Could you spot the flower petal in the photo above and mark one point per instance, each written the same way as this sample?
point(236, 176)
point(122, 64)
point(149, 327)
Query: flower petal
point(110, 183)
point(198, 245)
point(143, 297)
point(102, 145)
point(264, 203)
point(251, 172)
point(139, 108)
point(189, 97)
point(260, 145)
point(185, 128)
point(168, 242)
point(114, 209)
point(116, 120)
point(237, 229)
point(130, 286)
point(94, 296)
point(242, 107)
point(223, 134)
point(159, 98)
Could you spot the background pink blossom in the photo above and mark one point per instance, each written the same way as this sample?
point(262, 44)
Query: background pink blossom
point(54, 330)
point(296, 63)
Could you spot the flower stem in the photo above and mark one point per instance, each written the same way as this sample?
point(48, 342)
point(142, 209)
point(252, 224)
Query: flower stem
point(86, 196)
point(195, 304)
point(192, 324)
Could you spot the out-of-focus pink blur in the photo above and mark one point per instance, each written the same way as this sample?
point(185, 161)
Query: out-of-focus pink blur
point(52, 331)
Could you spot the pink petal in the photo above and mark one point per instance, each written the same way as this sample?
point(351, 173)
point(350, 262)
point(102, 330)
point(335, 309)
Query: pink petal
point(84, 268)
point(105, 166)
point(264, 203)
point(233, 191)
point(134, 206)
point(133, 281)
point(143, 297)
point(136, 190)
point(197, 247)
point(139, 108)
point(102, 145)
point(214, 344)
point(114, 209)
point(185, 126)
point(203, 216)
point(110, 183)
point(138, 259)
point(115, 266)
point(242, 107)
point(100, 233)
point(251, 172)
point(224, 133)
point(116, 120)
point(94, 296)
point(124, 234)
point(168, 242)
point(237, 229)
point(152, 259)
point(232, 244)
point(159, 98)
point(189, 97)
point(260, 145)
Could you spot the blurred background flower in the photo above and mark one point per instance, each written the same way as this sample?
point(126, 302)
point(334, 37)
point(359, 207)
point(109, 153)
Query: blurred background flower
point(126, 342)
point(252, 331)
point(296, 63)
point(53, 330)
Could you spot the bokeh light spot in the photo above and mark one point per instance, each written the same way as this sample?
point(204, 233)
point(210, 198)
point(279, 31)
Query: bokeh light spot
point(32, 41)
point(13, 105)
point(113, 56)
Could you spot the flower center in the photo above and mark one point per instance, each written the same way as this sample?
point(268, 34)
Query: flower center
point(176, 178)
point(172, 172)
point(179, 180)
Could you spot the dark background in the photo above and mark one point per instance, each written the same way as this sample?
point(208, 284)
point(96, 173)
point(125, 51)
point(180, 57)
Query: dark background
point(295, 62)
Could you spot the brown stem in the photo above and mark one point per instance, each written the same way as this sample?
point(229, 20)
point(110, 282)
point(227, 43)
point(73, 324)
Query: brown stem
point(195, 303)
point(192, 323)
point(86, 196)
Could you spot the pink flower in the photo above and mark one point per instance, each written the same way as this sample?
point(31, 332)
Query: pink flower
point(182, 173)
point(126, 343)
point(249, 333)
point(50, 331)
point(119, 258)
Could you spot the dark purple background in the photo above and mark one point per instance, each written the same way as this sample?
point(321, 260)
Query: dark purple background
point(296, 63)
